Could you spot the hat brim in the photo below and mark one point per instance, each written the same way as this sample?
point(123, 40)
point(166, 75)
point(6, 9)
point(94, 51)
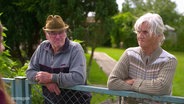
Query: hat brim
point(60, 29)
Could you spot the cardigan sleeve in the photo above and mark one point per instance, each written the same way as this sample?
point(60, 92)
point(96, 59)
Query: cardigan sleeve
point(119, 74)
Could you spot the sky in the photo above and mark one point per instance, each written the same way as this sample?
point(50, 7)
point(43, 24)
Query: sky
point(179, 5)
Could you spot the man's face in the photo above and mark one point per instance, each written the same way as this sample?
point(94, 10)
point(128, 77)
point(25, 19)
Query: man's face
point(145, 38)
point(57, 39)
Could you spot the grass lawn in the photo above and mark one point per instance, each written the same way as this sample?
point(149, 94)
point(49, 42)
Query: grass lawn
point(179, 75)
point(97, 78)
point(178, 83)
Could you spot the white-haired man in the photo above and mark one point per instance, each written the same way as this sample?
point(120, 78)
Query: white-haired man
point(147, 68)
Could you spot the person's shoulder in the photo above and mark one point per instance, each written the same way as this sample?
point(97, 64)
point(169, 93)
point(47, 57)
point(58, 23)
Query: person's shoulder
point(167, 54)
point(75, 44)
point(44, 43)
point(133, 49)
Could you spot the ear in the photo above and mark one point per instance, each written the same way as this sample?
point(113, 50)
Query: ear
point(46, 34)
point(161, 39)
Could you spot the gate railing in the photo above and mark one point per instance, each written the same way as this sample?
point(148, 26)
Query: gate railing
point(20, 90)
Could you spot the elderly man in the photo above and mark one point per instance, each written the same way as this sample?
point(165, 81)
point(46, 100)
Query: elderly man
point(147, 68)
point(59, 62)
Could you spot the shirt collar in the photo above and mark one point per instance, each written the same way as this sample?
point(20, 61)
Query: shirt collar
point(153, 56)
point(63, 49)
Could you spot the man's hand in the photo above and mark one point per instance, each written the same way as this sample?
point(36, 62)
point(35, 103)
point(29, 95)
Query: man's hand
point(53, 87)
point(43, 77)
point(129, 81)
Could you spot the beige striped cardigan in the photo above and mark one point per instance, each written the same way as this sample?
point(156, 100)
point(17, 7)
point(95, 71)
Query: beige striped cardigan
point(152, 77)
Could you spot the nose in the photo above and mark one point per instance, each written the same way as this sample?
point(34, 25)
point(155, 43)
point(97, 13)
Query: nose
point(58, 35)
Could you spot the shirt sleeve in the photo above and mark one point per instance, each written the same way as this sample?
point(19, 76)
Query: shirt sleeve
point(162, 84)
point(119, 74)
point(33, 66)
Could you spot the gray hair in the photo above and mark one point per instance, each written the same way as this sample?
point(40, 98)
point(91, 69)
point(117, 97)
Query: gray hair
point(154, 21)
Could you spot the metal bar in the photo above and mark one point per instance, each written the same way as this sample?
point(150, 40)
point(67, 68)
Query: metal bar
point(20, 90)
point(165, 98)
point(12, 83)
point(27, 92)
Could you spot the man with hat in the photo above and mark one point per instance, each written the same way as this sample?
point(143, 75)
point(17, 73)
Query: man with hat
point(59, 62)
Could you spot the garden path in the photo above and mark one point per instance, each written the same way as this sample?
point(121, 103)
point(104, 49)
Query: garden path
point(105, 62)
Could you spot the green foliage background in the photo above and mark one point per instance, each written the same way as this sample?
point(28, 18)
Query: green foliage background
point(25, 19)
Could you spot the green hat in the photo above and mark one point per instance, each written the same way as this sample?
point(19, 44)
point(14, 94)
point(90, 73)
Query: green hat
point(55, 23)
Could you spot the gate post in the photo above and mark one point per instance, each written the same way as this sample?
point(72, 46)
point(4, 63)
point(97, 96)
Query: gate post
point(20, 84)
point(28, 92)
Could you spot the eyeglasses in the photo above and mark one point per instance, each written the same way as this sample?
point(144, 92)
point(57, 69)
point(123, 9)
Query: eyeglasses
point(53, 33)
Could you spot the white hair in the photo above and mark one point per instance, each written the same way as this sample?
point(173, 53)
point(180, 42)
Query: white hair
point(155, 23)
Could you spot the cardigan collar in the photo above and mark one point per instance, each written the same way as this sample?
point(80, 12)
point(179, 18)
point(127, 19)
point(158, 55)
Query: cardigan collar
point(148, 59)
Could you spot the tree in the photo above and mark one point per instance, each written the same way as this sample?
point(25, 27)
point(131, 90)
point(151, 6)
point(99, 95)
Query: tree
point(98, 31)
point(123, 30)
point(25, 19)
point(22, 26)
point(180, 34)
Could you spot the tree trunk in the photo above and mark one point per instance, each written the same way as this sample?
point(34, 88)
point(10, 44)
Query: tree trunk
point(90, 62)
